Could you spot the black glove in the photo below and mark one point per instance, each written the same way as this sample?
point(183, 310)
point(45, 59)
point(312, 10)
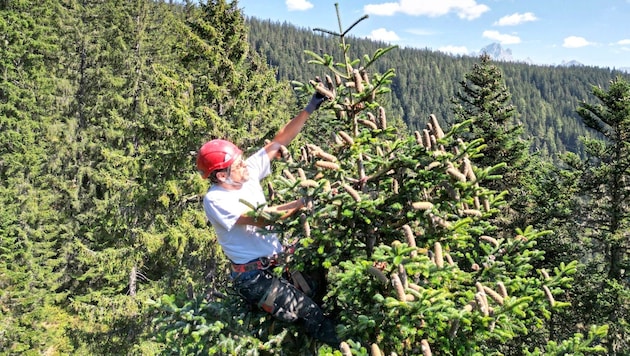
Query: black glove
point(316, 101)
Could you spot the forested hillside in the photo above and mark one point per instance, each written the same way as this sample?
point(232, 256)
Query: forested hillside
point(546, 97)
point(444, 234)
point(101, 105)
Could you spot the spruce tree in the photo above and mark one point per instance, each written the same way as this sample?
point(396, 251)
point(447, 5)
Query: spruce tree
point(31, 229)
point(486, 102)
point(603, 211)
point(140, 104)
point(231, 84)
point(608, 176)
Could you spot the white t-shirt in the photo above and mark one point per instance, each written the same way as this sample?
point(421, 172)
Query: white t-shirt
point(241, 243)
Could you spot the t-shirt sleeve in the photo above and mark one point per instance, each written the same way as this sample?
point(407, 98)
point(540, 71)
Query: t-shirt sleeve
point(223, 210)
point(259, 165)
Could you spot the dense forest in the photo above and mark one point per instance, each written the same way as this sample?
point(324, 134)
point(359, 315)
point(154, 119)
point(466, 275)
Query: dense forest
point(435, 228)
point(426, 81)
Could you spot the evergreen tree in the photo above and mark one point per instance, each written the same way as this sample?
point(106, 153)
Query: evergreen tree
point(232, 85)
point(100, 167)
point(101, 198)
point(485, 100)
point(129, 189)
point(31, 230)
point(550, 206)
point(608, 177)
point(603, 213)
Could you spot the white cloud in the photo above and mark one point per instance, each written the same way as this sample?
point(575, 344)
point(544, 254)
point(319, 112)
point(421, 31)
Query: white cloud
point(575, 42)
point(465, 9)
point(624, 42)
point(382, 34)
point(454, 49)
point(501, 38)
point(516, 19)
point(386, 9)
point(298, 5)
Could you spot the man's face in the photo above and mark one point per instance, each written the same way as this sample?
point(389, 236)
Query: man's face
point(238, 171)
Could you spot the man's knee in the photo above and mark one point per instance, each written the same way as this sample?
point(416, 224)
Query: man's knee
point(284, 301)
point(253, 286)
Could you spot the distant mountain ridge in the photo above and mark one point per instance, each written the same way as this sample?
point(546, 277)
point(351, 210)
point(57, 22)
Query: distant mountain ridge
point(498, 53)
point(572, 63)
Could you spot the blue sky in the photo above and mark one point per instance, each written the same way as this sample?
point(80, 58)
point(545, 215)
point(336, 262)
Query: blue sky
point(546, 32)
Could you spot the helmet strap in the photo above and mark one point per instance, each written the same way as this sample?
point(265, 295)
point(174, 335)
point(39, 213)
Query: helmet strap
point(229, 180)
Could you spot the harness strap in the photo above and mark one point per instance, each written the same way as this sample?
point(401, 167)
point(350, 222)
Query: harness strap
point(261, 263)
point(258, 264)
point(266, 302)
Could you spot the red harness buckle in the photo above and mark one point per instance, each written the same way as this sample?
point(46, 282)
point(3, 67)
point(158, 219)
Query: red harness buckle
point(260, 264)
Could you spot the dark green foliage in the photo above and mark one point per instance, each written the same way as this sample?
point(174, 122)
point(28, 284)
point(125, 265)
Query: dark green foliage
point(31, 229)
point(229, 80)
point(578, 345)
point(182, 329)
point(606, 173)
point(485, 100)
point(99, 112)
point(603, 209)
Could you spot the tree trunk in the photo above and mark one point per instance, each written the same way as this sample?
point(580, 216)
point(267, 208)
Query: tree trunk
point(132, 281)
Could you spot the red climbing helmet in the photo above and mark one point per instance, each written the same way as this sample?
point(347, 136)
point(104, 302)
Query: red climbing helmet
point(216, 155)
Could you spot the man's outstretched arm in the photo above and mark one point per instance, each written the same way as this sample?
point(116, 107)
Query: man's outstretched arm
point(293, 127)
point(282, 211)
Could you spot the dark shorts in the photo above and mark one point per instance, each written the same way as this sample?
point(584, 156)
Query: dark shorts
point(287, 303)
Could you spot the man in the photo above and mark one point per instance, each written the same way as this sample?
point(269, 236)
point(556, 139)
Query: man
point(251, 251)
